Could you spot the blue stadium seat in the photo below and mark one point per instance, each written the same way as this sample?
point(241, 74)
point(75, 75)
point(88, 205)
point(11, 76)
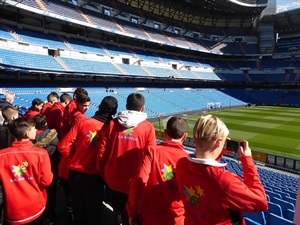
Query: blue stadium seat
point(277, 220)
point(282, 193)
point(251, 222)
point(293, 194)
point(283, 204)
point(273, 208)
point(273, 194)
point(290, 199)
point(289, 214)
point(268, 188)
point(258, 217)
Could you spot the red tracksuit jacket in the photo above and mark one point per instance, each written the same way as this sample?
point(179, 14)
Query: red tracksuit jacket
point(68, 116)
point(25, 173)
point(55, 118)
point(31, 112)
point(122, 148)
point(153, 193)
point(86, 134)
point(212, 195)
point(46, 108)
point(63, 167)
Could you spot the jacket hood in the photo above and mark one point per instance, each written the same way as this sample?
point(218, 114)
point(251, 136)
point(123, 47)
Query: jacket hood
point(47, 140)
point(130, 118)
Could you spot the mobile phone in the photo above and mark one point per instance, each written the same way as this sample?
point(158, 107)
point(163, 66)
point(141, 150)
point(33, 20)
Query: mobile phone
point(232, 145)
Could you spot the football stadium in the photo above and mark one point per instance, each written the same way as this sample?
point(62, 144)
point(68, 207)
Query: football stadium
point(236, 59)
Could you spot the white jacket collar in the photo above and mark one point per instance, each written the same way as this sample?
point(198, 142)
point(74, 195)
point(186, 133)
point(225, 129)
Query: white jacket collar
point(210, 162)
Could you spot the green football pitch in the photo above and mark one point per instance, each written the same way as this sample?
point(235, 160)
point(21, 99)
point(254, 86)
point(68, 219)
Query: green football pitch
point(274, 130)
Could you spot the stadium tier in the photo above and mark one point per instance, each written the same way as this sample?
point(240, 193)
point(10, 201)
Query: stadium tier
point(160, 102)
point(187, 58)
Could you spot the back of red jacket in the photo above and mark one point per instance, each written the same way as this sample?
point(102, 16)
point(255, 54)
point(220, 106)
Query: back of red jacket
point(55, 118)
point(86, 134)
point(154, 194)
point(213, 195)
point(31, 112)
point(67, 117)
point(46, 108)
point(121, 150)
point(25, 173)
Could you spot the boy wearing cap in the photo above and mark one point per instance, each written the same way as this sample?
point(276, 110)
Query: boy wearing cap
point(153, 195)
point(121, 149)
point(25, 174)
point(85, 183)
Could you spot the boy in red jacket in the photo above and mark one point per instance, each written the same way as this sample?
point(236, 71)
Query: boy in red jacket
point(25, 174)
point(55, 114)
point(153, 195)
point(211, 194)
point(68, 110)
point(85, 183)
point(121, 149)
point(82, 105)
point(36, 107)
point(51, 99)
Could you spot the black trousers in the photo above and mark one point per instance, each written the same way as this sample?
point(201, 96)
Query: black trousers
point(118, 201)
point(52, 189)
point(87, 197)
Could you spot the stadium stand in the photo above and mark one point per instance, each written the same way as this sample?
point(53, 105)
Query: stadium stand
point(82, 40)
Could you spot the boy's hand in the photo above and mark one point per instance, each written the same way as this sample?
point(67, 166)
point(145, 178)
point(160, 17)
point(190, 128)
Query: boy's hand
point(245, 149)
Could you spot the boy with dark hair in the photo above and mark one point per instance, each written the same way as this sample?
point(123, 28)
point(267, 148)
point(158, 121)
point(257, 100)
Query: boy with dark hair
point(51, 99)
point(82, 104)
point(121, 149)
point(68, 111)
point(25, 174)
point(9, 113)
point(48, 140)
point(85, 183)
point(56, 113)
point(135, 102)
point(36, 106)
point(153, 195)
point(45, 137)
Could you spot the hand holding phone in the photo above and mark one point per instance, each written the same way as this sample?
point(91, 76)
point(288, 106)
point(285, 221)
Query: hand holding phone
point(232, 146)
point(245, 150)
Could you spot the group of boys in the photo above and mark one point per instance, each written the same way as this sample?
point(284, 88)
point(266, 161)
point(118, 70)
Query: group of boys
point(113, 147)
point(107, 157)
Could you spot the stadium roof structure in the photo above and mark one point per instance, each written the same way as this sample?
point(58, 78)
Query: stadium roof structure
point(210, 13)
point(288, 22)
